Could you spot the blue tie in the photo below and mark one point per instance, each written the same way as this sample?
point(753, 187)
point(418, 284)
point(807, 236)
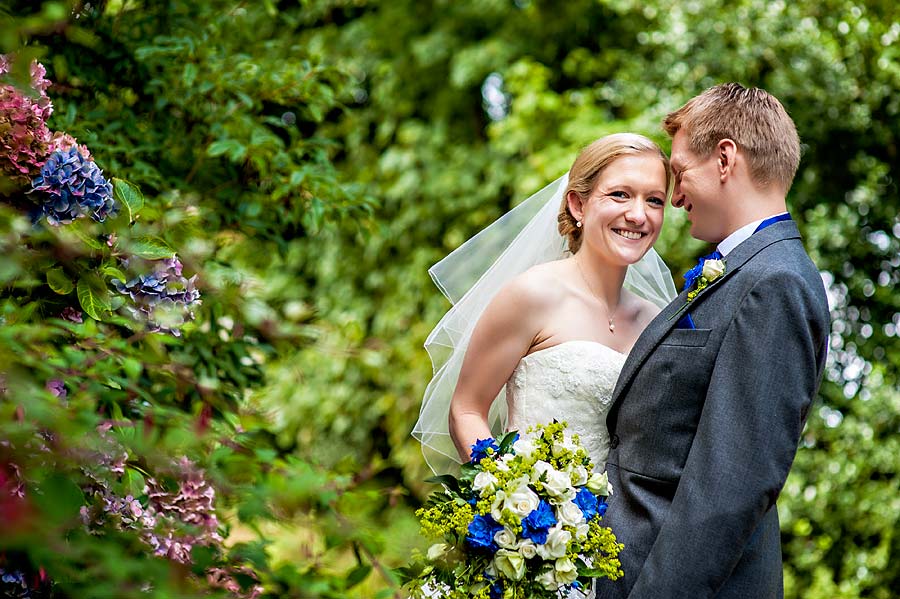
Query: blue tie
point(772, 220)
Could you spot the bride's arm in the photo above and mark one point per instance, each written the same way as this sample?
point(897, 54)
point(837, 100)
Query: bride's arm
point(503, 335)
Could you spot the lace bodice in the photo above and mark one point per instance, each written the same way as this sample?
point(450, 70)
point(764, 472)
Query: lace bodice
point(572, 382)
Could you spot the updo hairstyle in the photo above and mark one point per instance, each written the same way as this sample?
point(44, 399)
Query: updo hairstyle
point(587, 168)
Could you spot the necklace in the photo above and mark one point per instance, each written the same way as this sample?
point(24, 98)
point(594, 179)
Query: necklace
point(611, 315)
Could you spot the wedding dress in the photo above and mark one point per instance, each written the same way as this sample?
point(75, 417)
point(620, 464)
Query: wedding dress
point(572, 382)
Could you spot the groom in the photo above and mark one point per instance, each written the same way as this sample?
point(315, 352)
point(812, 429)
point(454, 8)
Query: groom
point(709, 407)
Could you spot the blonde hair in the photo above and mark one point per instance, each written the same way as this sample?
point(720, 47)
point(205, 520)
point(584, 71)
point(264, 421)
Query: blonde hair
point(753, 118)
point(586, 171)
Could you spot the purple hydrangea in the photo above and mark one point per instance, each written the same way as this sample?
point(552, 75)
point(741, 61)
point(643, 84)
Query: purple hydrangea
point(57, 387)
point(163, 297)
point(71, 314)
point(72, 186)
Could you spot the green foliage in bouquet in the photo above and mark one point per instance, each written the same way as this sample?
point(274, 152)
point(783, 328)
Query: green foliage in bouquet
point(523, 519)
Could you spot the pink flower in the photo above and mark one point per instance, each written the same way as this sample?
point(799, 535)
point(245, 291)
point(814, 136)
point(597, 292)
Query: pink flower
point(24, 136)
point(57, 387)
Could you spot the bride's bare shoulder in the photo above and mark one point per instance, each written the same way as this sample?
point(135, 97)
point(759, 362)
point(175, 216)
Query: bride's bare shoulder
point(539, 286)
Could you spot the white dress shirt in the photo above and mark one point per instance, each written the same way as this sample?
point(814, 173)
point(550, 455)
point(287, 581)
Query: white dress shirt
point(741, 235)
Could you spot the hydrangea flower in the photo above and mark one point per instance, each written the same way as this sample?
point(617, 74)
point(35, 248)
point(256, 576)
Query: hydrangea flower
point(63, 141)
point(73, 186)
point(163, 298)
point(23, 134)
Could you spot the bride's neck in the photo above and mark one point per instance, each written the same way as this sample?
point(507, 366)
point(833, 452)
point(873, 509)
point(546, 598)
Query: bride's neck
point(605, 280)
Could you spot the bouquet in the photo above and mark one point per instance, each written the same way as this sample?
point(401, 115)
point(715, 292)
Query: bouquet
point(522, 520)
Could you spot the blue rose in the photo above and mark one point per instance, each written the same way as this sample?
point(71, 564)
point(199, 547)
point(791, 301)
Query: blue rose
point(480, 448)
point(481, 533)
point(588, 503)
point(536, 524)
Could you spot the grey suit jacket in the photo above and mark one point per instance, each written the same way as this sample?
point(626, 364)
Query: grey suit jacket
point(705, 424)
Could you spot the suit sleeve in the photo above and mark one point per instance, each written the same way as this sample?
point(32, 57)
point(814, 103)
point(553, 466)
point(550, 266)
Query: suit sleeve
point(764, 379)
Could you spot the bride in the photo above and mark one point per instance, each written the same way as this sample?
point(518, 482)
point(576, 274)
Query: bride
point(548, 301)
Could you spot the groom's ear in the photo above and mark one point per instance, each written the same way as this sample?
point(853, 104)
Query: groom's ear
point(726, 157)
point(576, 206)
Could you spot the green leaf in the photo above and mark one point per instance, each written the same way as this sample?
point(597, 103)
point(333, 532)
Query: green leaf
point(152, 248)
point(58, 497)
point(59, 282)
point(507, 441)
point(93, 296)
point(233, 148)
point(115, 273)
point(134, 481)
point(447, 480)
point(357, 575)
point(129, 195)
point(87, 239)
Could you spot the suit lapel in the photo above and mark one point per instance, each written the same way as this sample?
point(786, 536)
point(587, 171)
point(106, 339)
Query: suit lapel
point(665, 320)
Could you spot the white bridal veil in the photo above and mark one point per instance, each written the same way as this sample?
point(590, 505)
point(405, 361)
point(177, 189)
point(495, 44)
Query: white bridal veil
point(470, 277)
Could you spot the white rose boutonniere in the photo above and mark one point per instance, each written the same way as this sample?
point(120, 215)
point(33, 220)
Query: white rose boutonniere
point(708, 270)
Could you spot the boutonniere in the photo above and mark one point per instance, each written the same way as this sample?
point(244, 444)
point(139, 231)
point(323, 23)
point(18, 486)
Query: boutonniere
point(700, 277)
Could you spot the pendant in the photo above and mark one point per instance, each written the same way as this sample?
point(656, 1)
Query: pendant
point(612, 327)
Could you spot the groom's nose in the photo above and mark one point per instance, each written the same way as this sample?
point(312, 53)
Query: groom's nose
point(677, 197)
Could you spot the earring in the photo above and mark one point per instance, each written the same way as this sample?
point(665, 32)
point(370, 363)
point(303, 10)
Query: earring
point(578, 223)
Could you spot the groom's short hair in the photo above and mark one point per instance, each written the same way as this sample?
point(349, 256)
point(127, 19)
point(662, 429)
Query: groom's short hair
point(751, 117)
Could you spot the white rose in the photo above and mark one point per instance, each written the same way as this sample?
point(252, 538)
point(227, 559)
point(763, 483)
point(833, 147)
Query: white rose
point(566, 572)
point(485, 481)
point(547, 579)
point(713, 269)
point(527, 549)
point(569, 514)
point(510, 564)
point(559, 486)
point(497, 505)
point(502, 466)
point(505, 538)
point(581, 531)
point(557, 542)
point(540, 470)
point(522, 501)
point(579, 475)
point(524, 446)
point(437, 551)
point(598, 484)
point(562, 447)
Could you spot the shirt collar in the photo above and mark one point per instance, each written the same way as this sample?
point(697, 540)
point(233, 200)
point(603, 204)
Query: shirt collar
point(740, 236)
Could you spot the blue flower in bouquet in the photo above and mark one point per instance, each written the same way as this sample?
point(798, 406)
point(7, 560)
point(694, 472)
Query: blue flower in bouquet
point(496, 590)
point(73, 186)
point(481, 533)
point(601, 508)
point(536, 524)
point(589, 504)
point(480, 449)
